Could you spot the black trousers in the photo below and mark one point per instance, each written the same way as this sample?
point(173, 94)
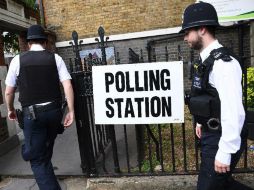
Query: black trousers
point(208, 179)
point(40, 135)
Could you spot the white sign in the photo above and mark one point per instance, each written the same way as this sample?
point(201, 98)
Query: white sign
point(138, 93)
point(233, 10)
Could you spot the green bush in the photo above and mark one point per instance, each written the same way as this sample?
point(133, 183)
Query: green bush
point(250, 87)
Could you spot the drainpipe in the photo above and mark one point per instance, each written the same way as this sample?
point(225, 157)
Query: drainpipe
point(38, 3)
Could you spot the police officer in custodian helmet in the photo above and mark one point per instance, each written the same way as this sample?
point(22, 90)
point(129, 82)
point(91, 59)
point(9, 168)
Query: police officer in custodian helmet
point(37, 74)
point(215, 100)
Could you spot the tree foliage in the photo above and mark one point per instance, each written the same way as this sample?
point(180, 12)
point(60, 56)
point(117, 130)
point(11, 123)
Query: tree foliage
point(11, 43)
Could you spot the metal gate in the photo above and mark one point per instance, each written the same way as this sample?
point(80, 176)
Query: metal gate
point(114, 150)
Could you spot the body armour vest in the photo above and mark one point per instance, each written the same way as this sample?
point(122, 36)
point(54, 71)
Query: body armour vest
point(38, 79)
point(204, 103)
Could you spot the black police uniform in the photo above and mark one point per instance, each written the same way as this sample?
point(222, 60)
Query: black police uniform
point(40, 98)
point(204, 105)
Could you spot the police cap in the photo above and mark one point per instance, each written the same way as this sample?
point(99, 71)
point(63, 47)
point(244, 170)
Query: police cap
point(199, 14)
point(36, 32)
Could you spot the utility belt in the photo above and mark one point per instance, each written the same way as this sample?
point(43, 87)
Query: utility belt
point(209, 124)
point(32, 110)
point(206, 111)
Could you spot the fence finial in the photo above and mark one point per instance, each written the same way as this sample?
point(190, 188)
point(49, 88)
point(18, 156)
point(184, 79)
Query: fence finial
point(102, 44)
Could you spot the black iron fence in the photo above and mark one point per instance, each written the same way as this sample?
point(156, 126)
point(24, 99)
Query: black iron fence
point(138, 149)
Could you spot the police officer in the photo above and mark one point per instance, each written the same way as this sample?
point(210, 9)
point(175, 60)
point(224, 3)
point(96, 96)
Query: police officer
point(216, 100)
point(37, 73)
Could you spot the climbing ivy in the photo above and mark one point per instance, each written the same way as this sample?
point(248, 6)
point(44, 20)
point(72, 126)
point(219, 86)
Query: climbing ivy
point(29, 3)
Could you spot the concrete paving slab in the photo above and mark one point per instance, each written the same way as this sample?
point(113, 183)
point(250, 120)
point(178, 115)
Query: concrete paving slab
point(147, 183)
point(23, 184)
point(66, 157)
point(76, 183)
point(177, 182)
point(180, 182)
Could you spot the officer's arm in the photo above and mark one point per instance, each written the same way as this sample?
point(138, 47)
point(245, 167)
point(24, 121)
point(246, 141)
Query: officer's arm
point(232, 112)
point(198, 130)
point(9, 97)
point(69, 95)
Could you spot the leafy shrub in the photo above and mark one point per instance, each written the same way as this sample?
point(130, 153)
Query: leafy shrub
point(250, 87)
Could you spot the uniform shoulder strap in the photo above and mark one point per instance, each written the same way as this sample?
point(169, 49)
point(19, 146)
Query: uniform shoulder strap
point(222, 53)
point(216, 54)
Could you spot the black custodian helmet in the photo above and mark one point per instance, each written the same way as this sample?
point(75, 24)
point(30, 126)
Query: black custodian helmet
point(36, 32)
point(199, 14)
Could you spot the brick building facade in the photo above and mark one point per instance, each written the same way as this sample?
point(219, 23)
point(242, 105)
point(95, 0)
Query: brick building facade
point(116, 16)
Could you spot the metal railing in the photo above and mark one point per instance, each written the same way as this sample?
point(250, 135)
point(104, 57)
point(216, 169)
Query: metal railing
point(116, 150)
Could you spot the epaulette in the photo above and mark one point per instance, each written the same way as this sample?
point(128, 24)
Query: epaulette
point(221, 53)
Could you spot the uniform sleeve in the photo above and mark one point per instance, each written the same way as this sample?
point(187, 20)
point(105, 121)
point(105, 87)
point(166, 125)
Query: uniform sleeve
point(62, 70)
point(13, 72)
point(227, 78)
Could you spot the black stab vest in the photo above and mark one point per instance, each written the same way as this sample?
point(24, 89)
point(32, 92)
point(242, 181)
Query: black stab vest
point(204, 102)
point(38, 79)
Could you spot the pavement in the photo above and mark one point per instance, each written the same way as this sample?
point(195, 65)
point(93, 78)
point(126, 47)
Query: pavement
point(17, 174)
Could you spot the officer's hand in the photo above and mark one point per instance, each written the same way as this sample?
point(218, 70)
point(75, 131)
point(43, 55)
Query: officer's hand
point(198, 130)
point(12, 115)
point(68, 120)
point(220, 167)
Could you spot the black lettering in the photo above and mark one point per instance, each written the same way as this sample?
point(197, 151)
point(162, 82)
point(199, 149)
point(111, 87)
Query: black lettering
point(138, 88)
point(155, 106)
point(145, 81)
point(165, 80)
point(109, 79)
point(109, 113)
point(166, 106)
point(147, 107)
point(139, 100)
point(128, 88)
point(154, 80)
point(120, 84)
point(129, 108)
point(119, 106)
